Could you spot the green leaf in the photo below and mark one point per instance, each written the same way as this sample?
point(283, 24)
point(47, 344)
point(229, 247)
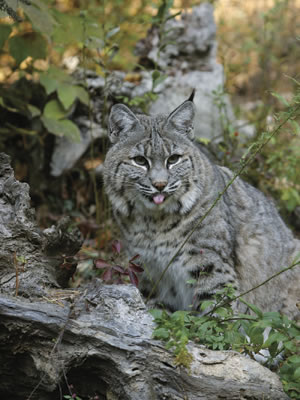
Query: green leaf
point(222, 311)
point(273, 349)
point(159, 80)
point(295, 359)
point(178, 315)
point(203, 140)
point(256, 334)
point(82, 95)
point(257, 338)
point(34, 111)
point(156, 314)
point(112, 51)
point(40, 17)
point(252, 307)
point(155, 75)
point(161, 333)
point(152, 96)
point(59, 74)
point(4, 33)
point(296, 374)
point(292, 198)
point(234, 337)
point(281, 99)
point(54, 78)
point(206, 304)
point(54, 110)
point(272, 315)
point(69, 30)
point(295, 126)
point(65, 128)
point(50, 84)
point(93, 42)
point(67, 94)
point(29, 44)
point(191, 281)
point(274, 337)
point(297, 258)
point(290, 346)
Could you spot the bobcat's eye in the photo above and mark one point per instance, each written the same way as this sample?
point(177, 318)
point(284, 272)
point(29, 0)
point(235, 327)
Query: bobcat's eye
point(140, 160)
point(173, 159)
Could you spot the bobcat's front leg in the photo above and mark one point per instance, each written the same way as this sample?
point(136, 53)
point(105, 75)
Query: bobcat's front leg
point(210, 277)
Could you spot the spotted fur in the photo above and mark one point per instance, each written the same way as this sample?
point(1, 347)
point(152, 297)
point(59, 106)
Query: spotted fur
point(160, 184)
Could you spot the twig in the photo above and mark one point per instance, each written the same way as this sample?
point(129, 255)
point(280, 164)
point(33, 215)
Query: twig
point(294, 264)
point(267, 280)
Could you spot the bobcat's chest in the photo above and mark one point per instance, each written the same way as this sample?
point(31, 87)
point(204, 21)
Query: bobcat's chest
point(156, 241)
point(153, 238)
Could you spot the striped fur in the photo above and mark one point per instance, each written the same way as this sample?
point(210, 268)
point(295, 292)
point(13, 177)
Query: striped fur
point(160, 184)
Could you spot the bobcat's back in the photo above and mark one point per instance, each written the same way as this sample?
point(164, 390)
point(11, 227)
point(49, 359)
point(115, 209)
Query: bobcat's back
point(160, 185)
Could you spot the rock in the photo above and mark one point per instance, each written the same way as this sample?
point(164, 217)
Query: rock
point(190, 63)
point(187, 42)
point(66, 153)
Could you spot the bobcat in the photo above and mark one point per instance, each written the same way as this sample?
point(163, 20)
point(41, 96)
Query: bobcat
point(160, 184)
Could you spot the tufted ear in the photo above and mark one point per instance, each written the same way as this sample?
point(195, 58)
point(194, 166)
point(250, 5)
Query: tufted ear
point(121, 120)
point(181, 119)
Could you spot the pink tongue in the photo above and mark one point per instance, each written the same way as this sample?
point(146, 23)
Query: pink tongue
point(159, 198)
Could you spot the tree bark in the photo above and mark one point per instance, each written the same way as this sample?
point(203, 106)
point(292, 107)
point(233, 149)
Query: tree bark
point(97, 338)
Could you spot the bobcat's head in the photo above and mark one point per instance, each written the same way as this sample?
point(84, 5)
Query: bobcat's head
point(150, 164)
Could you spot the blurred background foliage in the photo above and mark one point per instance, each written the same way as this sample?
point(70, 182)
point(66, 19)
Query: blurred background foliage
point(258, 47)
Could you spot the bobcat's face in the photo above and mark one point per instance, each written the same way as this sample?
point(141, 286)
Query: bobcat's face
point(156, 175)
point(151, 162)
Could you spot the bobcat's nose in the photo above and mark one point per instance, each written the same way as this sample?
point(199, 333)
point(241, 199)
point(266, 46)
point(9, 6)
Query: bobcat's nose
point(160, 185)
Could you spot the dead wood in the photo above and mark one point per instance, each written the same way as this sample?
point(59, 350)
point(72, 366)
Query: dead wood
point(97, 338)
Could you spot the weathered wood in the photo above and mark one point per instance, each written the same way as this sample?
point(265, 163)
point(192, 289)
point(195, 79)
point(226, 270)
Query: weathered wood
point(30, 260)
point(106, 349)
point(97, 338)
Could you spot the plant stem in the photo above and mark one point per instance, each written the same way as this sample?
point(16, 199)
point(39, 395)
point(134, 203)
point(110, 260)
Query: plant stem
point(254, 288)
point(267, 280)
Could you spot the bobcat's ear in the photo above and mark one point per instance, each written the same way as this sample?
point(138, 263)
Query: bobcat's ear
point(121, 120)
point(181, 119)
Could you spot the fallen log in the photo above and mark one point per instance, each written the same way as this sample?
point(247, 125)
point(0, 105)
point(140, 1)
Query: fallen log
point(95, 341)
